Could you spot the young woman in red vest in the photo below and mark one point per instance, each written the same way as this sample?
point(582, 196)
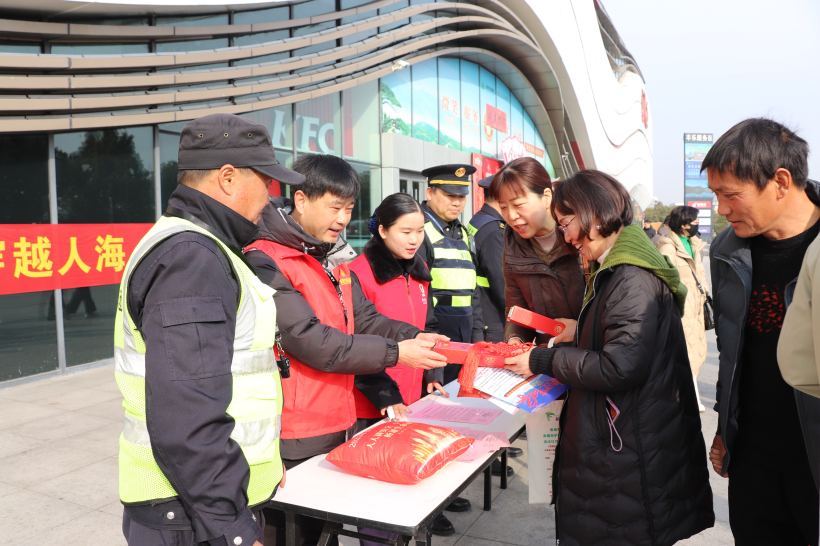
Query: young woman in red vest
point(397, 281)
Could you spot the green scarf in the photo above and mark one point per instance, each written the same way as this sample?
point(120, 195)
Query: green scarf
point(633, 247)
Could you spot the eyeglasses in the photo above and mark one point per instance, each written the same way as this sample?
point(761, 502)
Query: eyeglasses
point(563, 227)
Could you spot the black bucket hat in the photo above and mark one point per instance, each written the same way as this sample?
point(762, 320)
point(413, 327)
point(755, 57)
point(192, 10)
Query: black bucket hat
point(212, 141)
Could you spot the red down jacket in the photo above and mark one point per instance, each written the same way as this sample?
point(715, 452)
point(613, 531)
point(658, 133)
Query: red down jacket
point(399, 291)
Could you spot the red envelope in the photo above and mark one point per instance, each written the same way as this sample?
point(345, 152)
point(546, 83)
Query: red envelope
point(456, 353)
point(539, 323)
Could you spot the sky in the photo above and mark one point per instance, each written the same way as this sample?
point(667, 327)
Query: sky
point(709, 64)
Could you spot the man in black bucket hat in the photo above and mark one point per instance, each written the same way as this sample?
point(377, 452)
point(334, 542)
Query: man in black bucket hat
point(193, 324)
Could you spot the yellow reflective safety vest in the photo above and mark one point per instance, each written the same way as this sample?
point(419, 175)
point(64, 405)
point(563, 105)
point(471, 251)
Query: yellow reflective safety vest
point(453, 272)
point(256, 404)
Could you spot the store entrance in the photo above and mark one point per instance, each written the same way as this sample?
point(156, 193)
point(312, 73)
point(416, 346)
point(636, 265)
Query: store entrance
point(413, 184)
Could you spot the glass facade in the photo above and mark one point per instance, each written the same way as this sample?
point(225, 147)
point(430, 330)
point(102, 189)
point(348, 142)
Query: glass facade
point(457, 104)
point(125, 175)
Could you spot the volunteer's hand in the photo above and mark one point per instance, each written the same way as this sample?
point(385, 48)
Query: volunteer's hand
point(257, 543)
point(284, 477)
point(418, 354)
point(569, 332)
point(717, 453)
point(519, 364)
point(398, 409)
point(425, 336)
point(436, 385)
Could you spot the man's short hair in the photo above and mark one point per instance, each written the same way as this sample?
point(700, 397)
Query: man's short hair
point(754, 149)
point(327, 173)
point(193, 177)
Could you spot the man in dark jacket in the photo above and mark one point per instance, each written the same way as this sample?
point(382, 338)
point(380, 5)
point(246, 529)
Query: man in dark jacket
point(329, 330)
point(767, 437)
point(192, 482)
point(486, 230)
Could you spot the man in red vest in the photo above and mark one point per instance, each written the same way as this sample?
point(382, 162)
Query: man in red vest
point(328, 329)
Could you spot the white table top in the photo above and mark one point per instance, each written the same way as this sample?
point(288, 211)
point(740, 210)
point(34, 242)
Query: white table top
point(318, 485)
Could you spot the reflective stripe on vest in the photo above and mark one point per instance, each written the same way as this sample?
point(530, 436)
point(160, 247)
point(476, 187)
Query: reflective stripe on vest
point(453, 270)
point(256, 403)
point(483, 281)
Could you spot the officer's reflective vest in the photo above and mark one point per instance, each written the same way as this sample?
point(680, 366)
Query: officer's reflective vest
point(256, 404)
point(453, 272)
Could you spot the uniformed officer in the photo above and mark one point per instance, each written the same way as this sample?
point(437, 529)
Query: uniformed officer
point(486, 230)
point(194, 358)
point(446, 249)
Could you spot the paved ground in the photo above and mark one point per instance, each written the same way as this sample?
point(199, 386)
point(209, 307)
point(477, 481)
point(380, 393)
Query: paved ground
point(58, 483)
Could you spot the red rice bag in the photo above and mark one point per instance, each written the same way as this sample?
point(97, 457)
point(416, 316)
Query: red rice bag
point(400, 451)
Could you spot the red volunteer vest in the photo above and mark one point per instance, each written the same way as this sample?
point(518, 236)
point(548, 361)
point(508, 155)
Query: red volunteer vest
point(316, 403)
point(399, 299)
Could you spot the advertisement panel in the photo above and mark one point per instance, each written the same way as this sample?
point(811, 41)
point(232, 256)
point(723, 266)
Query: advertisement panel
point(696, 187)
point(38, 257)
point(396, 110)
point(425, 100)
point(449, 102)
point(470, 128)
point(484, 167)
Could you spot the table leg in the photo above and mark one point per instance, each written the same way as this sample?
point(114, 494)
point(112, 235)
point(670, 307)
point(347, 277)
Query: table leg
point(327, 533)
point(504, 468)
point(293, 529)
point(488, 488)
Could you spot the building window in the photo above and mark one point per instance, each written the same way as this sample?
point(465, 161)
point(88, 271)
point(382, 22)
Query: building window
point(271, 15)
point(105, 177)
point(11, 46)
point(317, 125)
point(397, 116)
point(88, 314)
point(470, 110)
point(487, 98)
point(425, 100)
point(279, 122)
point(97, 49)
point(168, 156)
point(449, 103)
point(360, 120)
point(193, 20)
point(370, 196)
point(24, 179)
point(261, 38)
point(192, 45)
point(28, 334)
point(313, 8)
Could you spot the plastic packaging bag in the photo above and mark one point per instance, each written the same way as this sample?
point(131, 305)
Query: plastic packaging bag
point(400, 451)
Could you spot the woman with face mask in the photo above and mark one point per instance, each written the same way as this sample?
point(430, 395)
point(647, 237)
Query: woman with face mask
point(630, 465)
point(543, 273)
point(686, 252)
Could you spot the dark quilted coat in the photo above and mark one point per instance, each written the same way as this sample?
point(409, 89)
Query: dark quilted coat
point(631, 348)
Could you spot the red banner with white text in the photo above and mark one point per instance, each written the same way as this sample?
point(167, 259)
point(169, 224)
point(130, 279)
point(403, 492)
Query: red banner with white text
point(37, 257)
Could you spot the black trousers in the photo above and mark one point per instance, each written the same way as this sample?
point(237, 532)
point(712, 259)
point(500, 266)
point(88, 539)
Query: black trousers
point(768, 507)
point(311, 528)
point(137, 534)
point(459, 330)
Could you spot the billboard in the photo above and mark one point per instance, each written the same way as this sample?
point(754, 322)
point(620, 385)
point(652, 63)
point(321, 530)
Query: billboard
point(695, 185)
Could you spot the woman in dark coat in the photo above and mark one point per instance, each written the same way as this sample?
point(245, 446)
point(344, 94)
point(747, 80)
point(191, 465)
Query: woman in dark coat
point(543, 273)
point(631, 460)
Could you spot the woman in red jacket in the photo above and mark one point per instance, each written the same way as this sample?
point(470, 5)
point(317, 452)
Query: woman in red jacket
point(397, 281)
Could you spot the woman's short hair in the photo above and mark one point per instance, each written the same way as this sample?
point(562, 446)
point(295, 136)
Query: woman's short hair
point(594, 198)
point(681, 216)
point(521, 175)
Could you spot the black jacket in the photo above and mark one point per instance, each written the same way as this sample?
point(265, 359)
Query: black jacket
point(452, 230)
point(379, 388)
point(631, 348)
point(372, 348)
point(488, 248)
point(731, 267)
point(186, 400)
